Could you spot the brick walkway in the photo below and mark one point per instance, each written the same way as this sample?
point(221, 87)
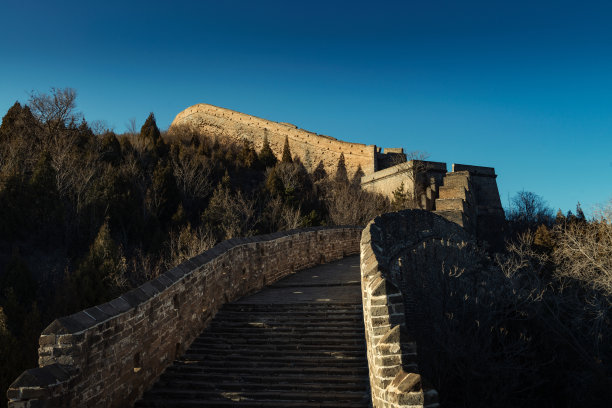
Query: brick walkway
point(297, 343)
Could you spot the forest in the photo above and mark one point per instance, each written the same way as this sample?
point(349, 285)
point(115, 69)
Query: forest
point(529, 326)
point(87, 214)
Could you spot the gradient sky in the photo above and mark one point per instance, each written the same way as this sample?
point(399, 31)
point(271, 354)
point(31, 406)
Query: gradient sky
point(522, 86)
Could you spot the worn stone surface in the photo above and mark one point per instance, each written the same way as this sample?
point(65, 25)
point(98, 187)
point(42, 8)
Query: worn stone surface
point(297, 343)
point(117, 350)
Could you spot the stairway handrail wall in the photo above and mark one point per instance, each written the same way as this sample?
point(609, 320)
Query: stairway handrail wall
point(395, 379)
point(108, 355)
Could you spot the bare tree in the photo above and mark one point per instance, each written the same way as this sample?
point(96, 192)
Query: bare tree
point(55, 109)
point(528, 209)
point(80, 177)
point(282, 217)
point(187, 243)
point(193, 174)
point(350, 205)
point(232, 214)
point(139, 177)
point(131, 127)
point(143, 267)
point(584, 252)
point(291, 218)
point(604, 211)
point(99, 127)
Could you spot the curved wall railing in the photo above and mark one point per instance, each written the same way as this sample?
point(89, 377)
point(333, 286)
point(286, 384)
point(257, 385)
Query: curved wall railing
point(389, 268)
point(107, 355)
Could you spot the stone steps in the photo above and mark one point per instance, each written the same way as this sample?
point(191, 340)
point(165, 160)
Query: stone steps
point(264, 370)
point(267, 328)
point(455, 200)
point(219, 353)
point(226, 401)
point(273, 385)
point(255, 379)
point(267, 395)
point(282, 315)
point(281, 361)
point(319, 325)
point(271, 355)
point(243, 339)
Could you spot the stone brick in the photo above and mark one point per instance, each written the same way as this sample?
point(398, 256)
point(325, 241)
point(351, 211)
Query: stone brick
point(141, 328)
point(392, 354)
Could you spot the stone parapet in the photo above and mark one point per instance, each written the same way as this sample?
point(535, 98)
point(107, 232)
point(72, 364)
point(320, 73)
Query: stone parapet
point(420, 179)
point(107, 355)
point(475, 170)
point(395, 379)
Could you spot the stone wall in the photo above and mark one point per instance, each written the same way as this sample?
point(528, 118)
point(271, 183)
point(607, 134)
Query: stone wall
point(312, 148)
point(467, 195)
point(390, 310)
point(420, 179)
point(384, 170)
point(106, 356)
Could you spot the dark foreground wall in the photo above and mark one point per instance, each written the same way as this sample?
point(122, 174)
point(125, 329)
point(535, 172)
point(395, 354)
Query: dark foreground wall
point(397, 251)
point(106, 356)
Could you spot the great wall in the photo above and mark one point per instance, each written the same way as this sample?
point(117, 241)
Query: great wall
point(147, 341)
point(467, 195)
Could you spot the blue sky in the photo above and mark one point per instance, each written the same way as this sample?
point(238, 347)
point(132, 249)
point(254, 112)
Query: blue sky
point(525, 87)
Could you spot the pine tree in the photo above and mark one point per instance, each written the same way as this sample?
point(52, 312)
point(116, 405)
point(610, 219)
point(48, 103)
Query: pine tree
point(101, 274)
point(10, 120)
point(560, 218)
point(163, 195)
point(45, 203)
point(286, 152)
point(570, 217)
point(319, 172)
point(247, 156)
point(84, 135)
point(341, 174)
point(18, 123)
point(401, 198)
point(543, 238)
point(266, 155)
point(579, 213)
point(149, 131)
point(356, 180)
point(274, 184)
point(110, 149)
